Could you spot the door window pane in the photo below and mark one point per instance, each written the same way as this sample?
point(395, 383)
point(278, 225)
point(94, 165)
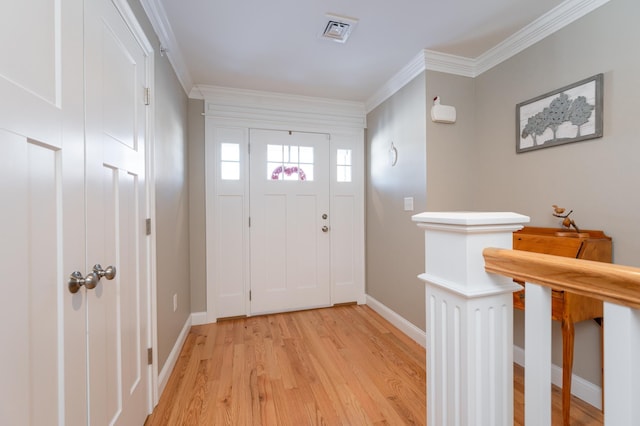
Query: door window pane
point(230, 152)
point(230, 161)
point(274, 153)
point(343, 160)
point(306, 155)
point(289, 162)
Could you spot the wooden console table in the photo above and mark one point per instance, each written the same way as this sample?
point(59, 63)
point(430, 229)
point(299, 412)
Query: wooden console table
point(566, 307)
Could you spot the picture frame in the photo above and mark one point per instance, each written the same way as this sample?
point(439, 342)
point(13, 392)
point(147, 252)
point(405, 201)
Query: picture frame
point(570, 114)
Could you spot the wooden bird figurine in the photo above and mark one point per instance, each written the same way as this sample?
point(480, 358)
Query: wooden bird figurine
point(566, 221)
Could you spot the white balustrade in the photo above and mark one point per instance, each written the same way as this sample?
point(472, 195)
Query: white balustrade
point(621, 366)
point(470, 322)
point(469, 318)
point(617, 285)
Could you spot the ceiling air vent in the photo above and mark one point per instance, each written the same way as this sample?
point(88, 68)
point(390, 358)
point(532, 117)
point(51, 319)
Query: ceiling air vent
point(338, 28)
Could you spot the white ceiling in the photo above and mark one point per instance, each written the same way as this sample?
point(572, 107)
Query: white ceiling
point(274, 45)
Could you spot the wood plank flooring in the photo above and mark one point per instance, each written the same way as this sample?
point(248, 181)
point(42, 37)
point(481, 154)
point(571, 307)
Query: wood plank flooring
point(338, 366)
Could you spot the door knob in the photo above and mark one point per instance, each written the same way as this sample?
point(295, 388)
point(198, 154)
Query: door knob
point(76, 281)
point(108, 273)
point(325, 228)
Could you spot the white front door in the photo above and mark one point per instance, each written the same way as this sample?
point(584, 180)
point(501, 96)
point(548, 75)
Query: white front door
point(116, 77)
point(42, 240)
point(290, 224)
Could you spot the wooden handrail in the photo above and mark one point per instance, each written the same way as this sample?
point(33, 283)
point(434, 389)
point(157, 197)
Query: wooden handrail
point(604, 281)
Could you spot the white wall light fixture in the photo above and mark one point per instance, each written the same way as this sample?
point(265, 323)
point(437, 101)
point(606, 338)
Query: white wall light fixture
point(442, 113)
point(393, 155)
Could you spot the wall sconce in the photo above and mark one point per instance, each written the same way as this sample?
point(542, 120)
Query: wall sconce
point(393, 155)
point(442, 113)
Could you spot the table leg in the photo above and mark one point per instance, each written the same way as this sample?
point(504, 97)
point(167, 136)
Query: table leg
point(568, 333)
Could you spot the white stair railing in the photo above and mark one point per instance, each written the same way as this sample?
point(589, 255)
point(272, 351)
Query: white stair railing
point(617, 286)
point(470, 322)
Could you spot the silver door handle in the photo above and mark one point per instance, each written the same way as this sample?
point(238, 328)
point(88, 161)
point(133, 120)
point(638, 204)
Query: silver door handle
point(108, 273)
point(92, 279)
point(76, 281)
point(325, 228)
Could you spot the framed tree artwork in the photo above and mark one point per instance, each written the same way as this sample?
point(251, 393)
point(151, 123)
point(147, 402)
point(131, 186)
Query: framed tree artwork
point(570, 114)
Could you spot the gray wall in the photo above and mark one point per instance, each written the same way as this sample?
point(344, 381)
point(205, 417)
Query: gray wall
point(434, 166)
point(394, 247)
point(598, 178)
point(197, 217)
point(472, 165)
point(450, 147)
point(172, 198)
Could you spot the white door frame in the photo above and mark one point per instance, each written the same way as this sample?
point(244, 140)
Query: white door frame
point(234, 112)
point(152, 321)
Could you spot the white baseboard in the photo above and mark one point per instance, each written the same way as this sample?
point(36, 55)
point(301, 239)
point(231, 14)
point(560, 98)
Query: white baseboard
point(168, 366)
point(398, 321)
point(581, 388)
point(199, 318)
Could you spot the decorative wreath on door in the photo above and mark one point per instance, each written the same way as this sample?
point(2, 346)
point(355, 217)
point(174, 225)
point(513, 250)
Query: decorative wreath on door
point(275, 175)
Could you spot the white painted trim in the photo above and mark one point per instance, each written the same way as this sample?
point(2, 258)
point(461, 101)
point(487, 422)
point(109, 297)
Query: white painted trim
point(152, 244)
point(581, 388)
point(398, 321)
point(264, 107)
point(170, 363)
point(129, 18)
point(552, 21)
point(158, 17)
point(450, 64)
point(199, 318)
point(277, 118)
point(556, 19)
point(397, 81)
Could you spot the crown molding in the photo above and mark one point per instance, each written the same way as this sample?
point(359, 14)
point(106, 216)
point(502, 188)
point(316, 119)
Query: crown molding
point(552, 21)
point(254, 105)
point(450, 64)
point(397, 82)
point(556, 19)
point(158, 17)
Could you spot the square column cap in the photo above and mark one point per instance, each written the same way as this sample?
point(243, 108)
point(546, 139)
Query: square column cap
point(470, 218)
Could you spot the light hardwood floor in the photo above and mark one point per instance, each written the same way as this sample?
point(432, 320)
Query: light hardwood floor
point(338, 366)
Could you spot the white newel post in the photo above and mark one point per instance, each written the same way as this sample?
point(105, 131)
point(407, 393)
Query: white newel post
point(469, 318)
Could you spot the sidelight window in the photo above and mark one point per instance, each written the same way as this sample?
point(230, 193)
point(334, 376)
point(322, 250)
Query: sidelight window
point(230, 161)
point(343, 161)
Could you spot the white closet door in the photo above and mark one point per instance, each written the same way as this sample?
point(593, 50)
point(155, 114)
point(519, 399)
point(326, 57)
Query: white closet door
point(290, 227)
point(116, 77)
point(42, 361)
